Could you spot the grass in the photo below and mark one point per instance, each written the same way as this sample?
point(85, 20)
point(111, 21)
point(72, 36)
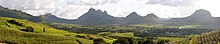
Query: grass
point(163, 26)
point(171, 39)
point(109, 37)
point(38, 28)
point(129, 34)
point(42, 34)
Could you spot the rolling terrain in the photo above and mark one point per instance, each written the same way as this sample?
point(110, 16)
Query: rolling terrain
point(17, 31)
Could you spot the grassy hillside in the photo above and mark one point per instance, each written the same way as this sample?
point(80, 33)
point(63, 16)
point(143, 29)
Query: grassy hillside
point(5, 12)
point(25, 32)
point(116, 34)
point(207, 38)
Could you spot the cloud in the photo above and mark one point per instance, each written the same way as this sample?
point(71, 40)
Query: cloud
point(173, 2)
point(34, 7)
point(116, 8)
point(30, 4)
point(184, 7)
point(91, 2)
point(72, 9)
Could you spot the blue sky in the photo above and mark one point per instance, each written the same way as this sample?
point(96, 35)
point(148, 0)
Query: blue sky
point(72, 9)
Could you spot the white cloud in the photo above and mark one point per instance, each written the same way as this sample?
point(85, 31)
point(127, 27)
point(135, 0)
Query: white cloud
point(30, 4)
point(72, 9)
point(211, 5)
point(173, 2)
point(159, 10)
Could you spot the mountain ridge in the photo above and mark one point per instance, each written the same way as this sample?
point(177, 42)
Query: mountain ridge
point(49, 18)
point(200, 16)
point(99, 17)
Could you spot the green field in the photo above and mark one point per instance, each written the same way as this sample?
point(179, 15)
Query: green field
point(16, 31)
point(33, 33)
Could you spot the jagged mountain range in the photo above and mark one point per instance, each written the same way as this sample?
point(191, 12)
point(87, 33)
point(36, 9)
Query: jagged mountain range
point(98, 17)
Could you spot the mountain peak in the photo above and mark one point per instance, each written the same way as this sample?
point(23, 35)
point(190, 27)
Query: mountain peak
point(96, 12)
point(105, 12)
point(201, 13)
point(151, 16)
point(99, 10)
point(133, 14)
point(91, 18)
point(91, 10)
point(48, 15)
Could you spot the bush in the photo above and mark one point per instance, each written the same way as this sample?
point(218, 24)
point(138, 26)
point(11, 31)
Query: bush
point(126, 40)
point(14, 22)
point(99, 41)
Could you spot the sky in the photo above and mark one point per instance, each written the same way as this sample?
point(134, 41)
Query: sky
point(72, 9)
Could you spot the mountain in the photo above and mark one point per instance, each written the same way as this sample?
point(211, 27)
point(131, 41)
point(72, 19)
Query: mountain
point(199, 17)
point(151, 16)
point(5, 12)
point(133, 18)
point(201, 13)
point(95, 17)
point(98, 17)
point(152, 19)
point(202, 16)
point(49, 18)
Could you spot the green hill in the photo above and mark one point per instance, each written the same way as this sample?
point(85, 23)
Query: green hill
point(207, 38)
point(25, 32)
point(5, 12)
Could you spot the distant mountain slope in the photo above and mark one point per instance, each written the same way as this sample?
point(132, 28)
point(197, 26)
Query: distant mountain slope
point(152, 16)
point(49, 18)
point(95, 17)
point(5, 12)
point(15, 31)
point(133, 18)
point(153, 19)
point(199, 17)
point(98, 17)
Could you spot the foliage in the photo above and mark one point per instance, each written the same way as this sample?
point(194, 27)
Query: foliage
point(116, 34)
point(137, 30)
point(206, 38)
point(126, 40)
point(99, 41)
point(5, 12)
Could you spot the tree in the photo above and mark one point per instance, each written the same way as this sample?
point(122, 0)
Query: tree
point(162, 41)
point(126, 40)
point(148, 42)
point(99, 41)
